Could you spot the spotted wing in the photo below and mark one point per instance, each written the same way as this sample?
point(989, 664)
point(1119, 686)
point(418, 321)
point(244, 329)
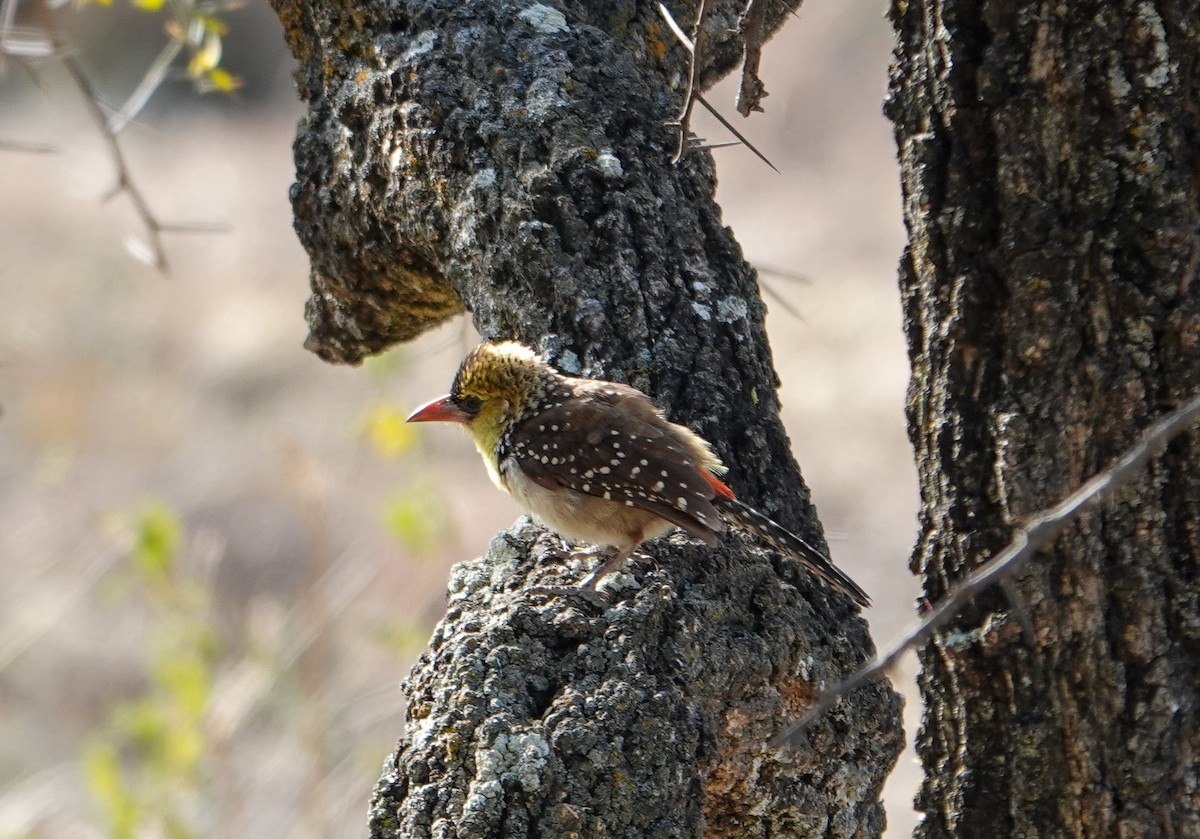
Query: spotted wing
point(610, 441)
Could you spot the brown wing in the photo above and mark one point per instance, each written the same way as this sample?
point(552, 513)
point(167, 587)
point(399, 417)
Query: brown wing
point(609, 441)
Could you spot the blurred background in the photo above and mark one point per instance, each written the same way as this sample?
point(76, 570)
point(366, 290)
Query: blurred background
point(218, 555)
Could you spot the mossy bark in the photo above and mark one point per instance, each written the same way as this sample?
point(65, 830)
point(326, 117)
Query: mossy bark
point(1051, 171)
point(513, 159)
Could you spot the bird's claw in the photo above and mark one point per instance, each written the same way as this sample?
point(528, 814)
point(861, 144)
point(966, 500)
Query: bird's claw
point(600, 599)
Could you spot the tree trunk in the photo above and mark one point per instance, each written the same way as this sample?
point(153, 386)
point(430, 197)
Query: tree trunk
point(1052, 195)
point(513, 159)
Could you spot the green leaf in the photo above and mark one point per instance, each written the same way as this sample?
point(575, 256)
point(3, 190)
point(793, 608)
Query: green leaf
point(159, 535)
point(183, 751)
point(142, 728)
point(187, 682)
point(222, 81)
point(416, 518)
point(102, 773)
point(207, 57)
point(213, 24)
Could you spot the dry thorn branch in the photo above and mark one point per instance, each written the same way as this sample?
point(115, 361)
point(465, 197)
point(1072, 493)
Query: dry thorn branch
point(769, 289)
point(683, 123)
point(693, 95)
point(751, 91)
point(1039, 531)
point(49, 43)
point(125, 182)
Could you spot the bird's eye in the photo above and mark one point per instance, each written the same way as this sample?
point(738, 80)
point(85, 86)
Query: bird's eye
point(470, 404)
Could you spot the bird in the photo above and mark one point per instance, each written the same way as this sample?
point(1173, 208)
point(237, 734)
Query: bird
point(599, 463)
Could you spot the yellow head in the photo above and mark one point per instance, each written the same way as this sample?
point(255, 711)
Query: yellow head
point(498, 383)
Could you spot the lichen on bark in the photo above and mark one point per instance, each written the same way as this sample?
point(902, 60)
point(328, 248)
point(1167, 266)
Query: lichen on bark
point(513, 159)
point(1051, 178)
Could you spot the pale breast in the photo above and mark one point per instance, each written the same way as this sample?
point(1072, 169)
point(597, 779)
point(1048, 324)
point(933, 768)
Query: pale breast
point(581, 517)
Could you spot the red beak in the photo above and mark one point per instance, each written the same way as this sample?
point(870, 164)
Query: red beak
point(439, 410)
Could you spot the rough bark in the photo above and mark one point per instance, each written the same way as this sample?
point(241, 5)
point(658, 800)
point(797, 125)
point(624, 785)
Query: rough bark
point(513, 159)
point(1052, 195)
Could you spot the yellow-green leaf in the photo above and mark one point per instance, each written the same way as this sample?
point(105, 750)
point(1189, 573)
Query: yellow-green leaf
point(388, 433)
point(417, 519)
point(159, 534)
point(213, 24)
point(223, 82)
point(183, 750)
point(207, 57)
point(142, 727)
point(186, 681)
point(102, 773)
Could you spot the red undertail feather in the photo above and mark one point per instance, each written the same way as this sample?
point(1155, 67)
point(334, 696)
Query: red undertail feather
point(718, 486)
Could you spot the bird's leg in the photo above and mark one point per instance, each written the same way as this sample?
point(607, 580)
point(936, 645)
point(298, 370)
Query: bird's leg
point(611, 564)
point(582, 551)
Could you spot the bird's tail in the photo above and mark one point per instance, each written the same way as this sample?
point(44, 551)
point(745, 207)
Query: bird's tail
point(787, 542)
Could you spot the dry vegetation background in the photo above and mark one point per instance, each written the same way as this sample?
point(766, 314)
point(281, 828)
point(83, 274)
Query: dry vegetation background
point(304, 540)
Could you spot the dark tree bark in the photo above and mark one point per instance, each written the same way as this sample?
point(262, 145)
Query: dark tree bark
point(512, 159)
point(1052, 195)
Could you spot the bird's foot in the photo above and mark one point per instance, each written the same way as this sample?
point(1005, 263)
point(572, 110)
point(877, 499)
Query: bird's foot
point(600, 599)
point(608, 566)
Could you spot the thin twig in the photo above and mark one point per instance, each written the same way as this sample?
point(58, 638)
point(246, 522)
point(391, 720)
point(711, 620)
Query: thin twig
point(751, 91)
point(689, 99)
point(783, 302)
point(124, 182)
point(694, 96)
point(27, 148)
point(21, 41)
point(734, 131)
point(674, 26)
point(8, 14)
point(783, 274)
point(699, 145)
point(151, 81)
point(48, 42)
point(769, 289)
point(1039, 531)
point(790, 10)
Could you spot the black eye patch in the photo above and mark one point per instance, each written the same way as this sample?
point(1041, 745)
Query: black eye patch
point(469, 404)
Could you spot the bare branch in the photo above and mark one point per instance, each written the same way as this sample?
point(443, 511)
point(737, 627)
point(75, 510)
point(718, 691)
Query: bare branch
point(694, 96)
point(782, 273)
point(22, 44)
point(1026, 542)
point(769, 290)
point(151, 81)
point(125, 182)
point(734, 131)
point(790, 10)
point(27, 148)
point(698, 143)
point(683, 122)
point(751, 91)
point(8, 14)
